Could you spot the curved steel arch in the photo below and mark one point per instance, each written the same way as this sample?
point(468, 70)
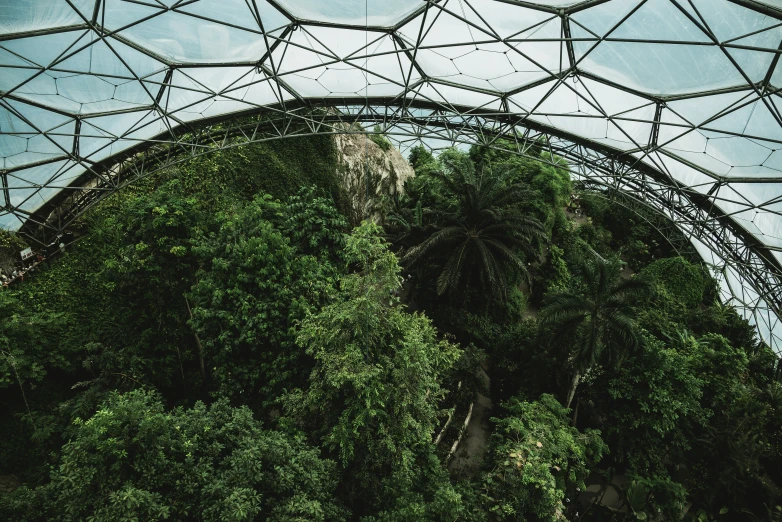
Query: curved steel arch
point(605, 169)
point(675, 103)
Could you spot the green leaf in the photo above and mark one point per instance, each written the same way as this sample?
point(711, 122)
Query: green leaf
point(636, 497)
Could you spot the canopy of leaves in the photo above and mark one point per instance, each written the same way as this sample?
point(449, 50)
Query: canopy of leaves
point(677, 280)
point(255, 285)
point(596, 320)
point(652, 401)
point(549, 177)
point(119, 293)
point(135, 461)
point(480, 237)
point(373, 393)
point(195, 284)
point(535, 456)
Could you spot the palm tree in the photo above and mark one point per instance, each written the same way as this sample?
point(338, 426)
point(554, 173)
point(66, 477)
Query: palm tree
point(481, 237)
point(598, 322)
point(405, 226)
point(682, 340)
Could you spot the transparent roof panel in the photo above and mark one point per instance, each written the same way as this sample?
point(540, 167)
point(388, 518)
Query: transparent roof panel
point(189, 39)
point(662, 98)
point(481, 44)
point(382, 13)
point(239, 13)
point(729, 21)
point(509, 20)
point(18, 16)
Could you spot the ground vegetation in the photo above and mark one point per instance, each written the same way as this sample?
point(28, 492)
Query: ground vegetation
point(224, 342)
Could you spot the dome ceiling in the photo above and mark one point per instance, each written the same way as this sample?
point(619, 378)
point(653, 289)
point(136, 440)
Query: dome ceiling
point(685, 92)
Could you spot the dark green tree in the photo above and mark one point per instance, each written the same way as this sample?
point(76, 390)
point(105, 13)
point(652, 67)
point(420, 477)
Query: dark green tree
point(727, 458)
point(373, 395)
point(480, 238)
point(30, 361)
point(148, 275)
point(24, 354)
point(676, 282)
point(548, 176)
point(596, 324)
point(651, 404)
point(255, 285)
point(407, 226)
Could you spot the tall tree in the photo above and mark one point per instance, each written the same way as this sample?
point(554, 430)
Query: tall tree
point(650, 405)
point(374, 392)
point(480, 237)
point(255, 285)
point(25, 354)
point(597, 323)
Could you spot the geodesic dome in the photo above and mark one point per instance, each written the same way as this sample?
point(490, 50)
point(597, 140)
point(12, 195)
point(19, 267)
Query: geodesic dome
point(673, 103)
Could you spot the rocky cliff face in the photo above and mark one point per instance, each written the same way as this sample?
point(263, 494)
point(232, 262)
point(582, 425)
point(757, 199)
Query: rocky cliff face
point(388, 171)
point(370, 195)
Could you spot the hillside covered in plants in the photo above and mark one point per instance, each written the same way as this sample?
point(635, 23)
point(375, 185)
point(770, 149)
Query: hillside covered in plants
point(229, 340)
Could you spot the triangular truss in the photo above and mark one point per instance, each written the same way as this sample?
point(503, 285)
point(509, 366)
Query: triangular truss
point(675, 104)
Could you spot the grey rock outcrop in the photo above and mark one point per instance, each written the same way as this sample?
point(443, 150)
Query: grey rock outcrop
point(370, 193)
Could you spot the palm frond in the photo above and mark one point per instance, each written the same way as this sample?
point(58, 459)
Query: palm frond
point(568, 329)
point(450, 276)
point(633, 288)
point(490, 271)
point(503, 251)
point(436, 240)
point(561, 307)
point(622, 330)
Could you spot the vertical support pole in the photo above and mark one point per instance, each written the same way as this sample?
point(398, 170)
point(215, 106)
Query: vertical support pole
point(6, 194)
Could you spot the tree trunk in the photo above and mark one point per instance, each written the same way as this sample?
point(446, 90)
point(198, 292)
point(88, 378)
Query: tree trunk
point(200, 347)
point(575, 411)
point(12, 363)
point(572, 392)
point(181, 369)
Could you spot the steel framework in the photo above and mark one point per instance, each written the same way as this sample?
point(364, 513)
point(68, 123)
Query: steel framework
point(673, 104)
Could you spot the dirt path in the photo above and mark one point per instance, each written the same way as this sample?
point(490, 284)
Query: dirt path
point(627, 272)
point(469, 456)
point(604, 494)
point(8, 483)
point(579, 219)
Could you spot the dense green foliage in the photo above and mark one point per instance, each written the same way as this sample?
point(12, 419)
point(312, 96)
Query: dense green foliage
point(11, 241)
point(380, 140)
point(135, 461)
point(666, 372)
point(480, 237)
point(277, 168)
point(10, 247)
point(549, 178)
point(373, 394)
point(660, 382)
point(596, 319)
point(536, 457)
point(677, 281)
point(219, 344)
point(255, 284)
